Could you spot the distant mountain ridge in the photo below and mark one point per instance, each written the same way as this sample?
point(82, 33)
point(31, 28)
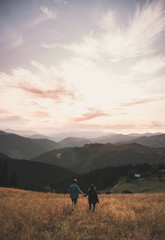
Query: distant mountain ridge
point(21, 147)
point(17, 146)
point(109, 138)
point(113, 138)
point(23, 133)
point(157, 141)
point(74, 142)
point(95, 156)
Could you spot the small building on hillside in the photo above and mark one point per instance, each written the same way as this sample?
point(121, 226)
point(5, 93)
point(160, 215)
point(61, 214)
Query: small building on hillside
point(137, 175)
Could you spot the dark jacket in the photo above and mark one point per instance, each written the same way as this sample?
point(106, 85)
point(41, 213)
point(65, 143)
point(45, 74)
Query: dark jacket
point(92, 196)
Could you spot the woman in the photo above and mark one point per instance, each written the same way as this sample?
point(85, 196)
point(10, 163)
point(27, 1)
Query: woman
point(92, 197)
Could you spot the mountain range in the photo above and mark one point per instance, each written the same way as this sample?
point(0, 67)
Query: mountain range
point(20, 147)
point(95, 156)
point(157, 141)
point(36, 162)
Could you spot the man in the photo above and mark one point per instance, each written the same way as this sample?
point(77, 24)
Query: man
point(74, 191)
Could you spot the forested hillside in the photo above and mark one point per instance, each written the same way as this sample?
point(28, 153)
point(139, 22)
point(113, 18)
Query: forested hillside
point(95, 156)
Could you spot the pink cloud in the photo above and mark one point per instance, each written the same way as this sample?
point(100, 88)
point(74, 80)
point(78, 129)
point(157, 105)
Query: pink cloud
point(3, 111)
point(12, 118)
point(93, 113)
point(7, 116)
point(143, 101)
point(155, 124)
point(41, 114)
point(38, 105)
point(56, 94)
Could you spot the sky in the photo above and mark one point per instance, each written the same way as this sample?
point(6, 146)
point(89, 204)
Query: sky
point(82, 65)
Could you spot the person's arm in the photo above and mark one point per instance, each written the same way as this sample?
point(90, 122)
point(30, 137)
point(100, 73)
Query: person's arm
point(86, 194)
point(97, 197)
point(80, 191)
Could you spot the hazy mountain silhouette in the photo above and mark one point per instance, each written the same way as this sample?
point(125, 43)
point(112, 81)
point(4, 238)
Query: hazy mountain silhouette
point(21, 147)
point(39, 136)
point(113, 138)
point(78, 134)
point(94, 156)
point(110, 138)
point(120, 138)
point(74, 142)
point(151, 141)
point(24, 133)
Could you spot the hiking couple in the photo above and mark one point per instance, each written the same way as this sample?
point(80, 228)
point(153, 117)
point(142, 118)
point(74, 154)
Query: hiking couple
point(74, 191)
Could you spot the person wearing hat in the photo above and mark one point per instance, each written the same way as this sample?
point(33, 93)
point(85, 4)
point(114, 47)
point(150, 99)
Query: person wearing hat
point(74, 191)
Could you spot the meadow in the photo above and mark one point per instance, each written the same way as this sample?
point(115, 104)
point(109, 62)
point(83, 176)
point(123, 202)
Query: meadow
point(151, 184)
point(27, 215)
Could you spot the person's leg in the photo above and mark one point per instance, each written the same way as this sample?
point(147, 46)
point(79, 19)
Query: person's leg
point(93, 207)
point(74, 202)
point(89, 206)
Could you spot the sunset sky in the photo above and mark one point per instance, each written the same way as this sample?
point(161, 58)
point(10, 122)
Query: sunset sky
point(81, 65)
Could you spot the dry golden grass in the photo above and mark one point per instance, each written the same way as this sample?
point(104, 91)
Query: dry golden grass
point(26, 215)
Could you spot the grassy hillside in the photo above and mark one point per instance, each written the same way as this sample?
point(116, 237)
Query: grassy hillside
point(118, 179)
point(26, 215)
point(151, 184)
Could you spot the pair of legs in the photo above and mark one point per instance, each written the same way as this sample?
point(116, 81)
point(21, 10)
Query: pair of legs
point(74, 202)
point(90, 204)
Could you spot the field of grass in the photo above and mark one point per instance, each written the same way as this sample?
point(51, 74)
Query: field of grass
point(143, 185)
point(26, 215)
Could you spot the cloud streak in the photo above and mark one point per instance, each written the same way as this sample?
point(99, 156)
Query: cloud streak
point(142, 101)
point(12, 119)
point(138, 35)
point(120, 41)
point(3, 111)
point(60, 1)
point(41, 114)
point(57, 94)
point(11, 38)
point(50, 14)
point(46, 15)
point(44, 83)
point(93, 113)
point(149, 65)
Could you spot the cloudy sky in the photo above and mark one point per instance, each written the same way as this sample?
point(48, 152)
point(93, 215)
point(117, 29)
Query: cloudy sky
point(71, 65)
